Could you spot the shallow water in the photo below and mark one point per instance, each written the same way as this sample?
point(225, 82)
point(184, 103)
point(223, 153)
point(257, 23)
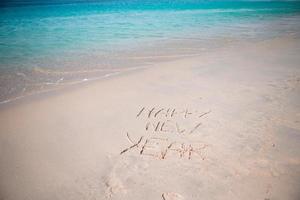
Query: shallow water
point(46, 45)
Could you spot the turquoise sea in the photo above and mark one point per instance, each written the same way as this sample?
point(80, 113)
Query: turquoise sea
point(45, 45)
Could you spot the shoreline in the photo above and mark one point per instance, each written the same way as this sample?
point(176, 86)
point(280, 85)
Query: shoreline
point(65, 87)
point(78, 83)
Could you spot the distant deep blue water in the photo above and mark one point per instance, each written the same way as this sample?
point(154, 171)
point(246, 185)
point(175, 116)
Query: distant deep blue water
point(46, 43)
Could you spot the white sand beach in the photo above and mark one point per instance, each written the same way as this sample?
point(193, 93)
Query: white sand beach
point(224, 125)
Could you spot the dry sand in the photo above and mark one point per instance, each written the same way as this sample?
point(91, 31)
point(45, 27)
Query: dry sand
point(225, 125)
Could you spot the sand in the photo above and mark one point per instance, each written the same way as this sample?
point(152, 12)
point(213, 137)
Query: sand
point(223, 125)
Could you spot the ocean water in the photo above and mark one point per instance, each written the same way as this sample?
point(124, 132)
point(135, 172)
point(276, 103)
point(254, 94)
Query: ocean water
point(45, 45)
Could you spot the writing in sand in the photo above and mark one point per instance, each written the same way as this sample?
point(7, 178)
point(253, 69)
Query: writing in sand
point(167, 133)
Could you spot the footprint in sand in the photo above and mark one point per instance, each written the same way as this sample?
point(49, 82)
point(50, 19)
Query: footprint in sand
point(113, 186)
point(171, 196)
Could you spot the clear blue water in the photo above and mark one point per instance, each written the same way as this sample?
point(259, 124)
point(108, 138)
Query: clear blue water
point(46, 43)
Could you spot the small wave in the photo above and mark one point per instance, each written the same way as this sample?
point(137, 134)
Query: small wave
point(60, 83)
point(48, 71)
